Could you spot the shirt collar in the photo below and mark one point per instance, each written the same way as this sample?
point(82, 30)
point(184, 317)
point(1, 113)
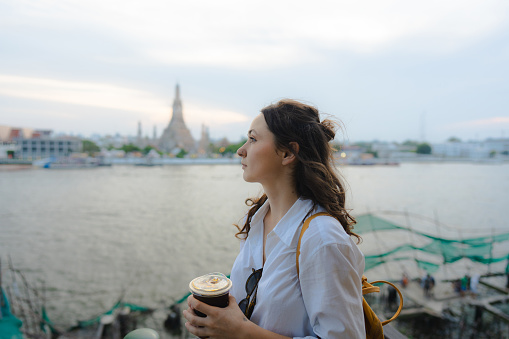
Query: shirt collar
point(257, 219)
point(287, 226)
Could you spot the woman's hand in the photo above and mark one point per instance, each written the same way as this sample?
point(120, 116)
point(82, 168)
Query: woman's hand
point(227, 322)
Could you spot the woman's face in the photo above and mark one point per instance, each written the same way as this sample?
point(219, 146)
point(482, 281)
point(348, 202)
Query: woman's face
point(261, 161)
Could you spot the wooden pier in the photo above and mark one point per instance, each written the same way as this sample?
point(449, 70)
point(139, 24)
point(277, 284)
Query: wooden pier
point(442, 297)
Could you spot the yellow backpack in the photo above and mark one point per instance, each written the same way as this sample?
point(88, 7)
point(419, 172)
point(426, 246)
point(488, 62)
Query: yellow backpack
point(373, 325)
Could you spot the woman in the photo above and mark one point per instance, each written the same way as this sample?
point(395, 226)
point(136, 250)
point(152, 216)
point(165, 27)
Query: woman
point(289, 154)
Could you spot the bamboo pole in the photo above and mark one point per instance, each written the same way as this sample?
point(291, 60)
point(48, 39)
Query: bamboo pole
point(439, 233)
point(412, 239)
point(378, 242)
point(2, 301)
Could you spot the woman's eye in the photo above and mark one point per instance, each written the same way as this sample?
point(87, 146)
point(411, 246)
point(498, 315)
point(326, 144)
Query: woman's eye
point(251, 139)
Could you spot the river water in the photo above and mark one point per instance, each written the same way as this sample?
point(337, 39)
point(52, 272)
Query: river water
point(91, 235)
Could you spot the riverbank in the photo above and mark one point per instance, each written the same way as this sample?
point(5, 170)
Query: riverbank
point(17, 164)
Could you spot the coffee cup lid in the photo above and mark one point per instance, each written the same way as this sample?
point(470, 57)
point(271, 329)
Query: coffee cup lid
point(210, 284)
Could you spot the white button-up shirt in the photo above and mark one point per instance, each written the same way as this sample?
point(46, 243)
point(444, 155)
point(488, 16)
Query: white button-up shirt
point(326, 299)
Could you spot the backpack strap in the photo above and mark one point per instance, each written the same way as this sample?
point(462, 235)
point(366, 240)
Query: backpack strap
point(397, 290)
point(304, 228)
point(366, 286)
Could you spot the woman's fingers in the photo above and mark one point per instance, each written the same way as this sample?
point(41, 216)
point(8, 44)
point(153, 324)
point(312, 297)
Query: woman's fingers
point(194, 319)
point(197, 305)
point(219, 323)
point(232, 300)
point(196, 325)
point(197, 331)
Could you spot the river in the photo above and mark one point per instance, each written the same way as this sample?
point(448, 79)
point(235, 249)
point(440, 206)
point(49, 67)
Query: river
point(91, 235)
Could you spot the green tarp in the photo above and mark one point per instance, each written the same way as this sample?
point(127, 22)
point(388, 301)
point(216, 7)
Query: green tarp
point(9, 324)
point(93, 321)
point(478, 249)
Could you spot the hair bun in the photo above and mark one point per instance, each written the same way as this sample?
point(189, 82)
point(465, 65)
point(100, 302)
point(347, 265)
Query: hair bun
point(328, 128)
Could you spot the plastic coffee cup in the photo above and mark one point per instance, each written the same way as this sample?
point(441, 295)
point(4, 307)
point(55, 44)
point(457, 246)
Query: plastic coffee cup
point(212, 289)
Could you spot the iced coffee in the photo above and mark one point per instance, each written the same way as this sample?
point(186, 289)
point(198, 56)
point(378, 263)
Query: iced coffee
point(212, 289)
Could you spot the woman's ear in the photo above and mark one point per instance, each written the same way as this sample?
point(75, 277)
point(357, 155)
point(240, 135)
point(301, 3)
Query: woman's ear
point(289, 155)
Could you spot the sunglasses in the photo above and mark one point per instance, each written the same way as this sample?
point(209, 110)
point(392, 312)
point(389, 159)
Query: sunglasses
point(248, 303)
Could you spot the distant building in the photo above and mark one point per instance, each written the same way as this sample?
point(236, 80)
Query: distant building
point(384, 150)
point(42, 145)
point(204, 144)
point(497, 145)
point(109, 141)
point(9, 133)
point(7, 150)
point(144, 141)
point(36, 144)
point(177, 136)
point(139, 137)
point(454, 149)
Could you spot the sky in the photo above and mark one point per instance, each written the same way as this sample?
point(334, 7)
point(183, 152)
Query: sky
point(390, 70)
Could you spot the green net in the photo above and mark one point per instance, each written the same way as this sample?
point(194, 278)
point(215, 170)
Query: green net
point(119, 304)
point(9, 324)
point(46, 321)
point(478, 249)
point(427, 266)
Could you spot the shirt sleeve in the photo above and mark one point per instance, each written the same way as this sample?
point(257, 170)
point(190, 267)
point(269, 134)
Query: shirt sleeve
point(331, 285)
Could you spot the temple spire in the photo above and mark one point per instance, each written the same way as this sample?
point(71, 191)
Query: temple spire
point(177, 136)
point(177, 106)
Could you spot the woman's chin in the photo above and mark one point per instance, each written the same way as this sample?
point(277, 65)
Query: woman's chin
point(247, 178)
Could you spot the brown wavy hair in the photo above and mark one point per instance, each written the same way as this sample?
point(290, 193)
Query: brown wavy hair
point(314, 174)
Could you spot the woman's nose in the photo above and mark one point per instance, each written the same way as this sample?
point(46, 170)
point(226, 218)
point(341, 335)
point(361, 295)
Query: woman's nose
point(241, 152)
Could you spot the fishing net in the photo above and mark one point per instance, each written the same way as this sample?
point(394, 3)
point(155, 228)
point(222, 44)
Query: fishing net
point(9, 324)
point(478, 249)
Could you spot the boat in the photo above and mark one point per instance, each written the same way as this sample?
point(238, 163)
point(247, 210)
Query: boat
point(68, 162)
point(148, 162)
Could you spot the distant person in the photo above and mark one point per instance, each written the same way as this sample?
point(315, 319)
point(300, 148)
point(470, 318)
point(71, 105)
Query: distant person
point(474, 283)
point(404, 280)
point(288, 152)
point(392, 298)
point(423, 279)
point(465, 284)
point(456, 285)
point(429, 283)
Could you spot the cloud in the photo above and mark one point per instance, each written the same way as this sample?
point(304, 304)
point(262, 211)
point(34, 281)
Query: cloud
point(80, 93)
point(269, 33)
point(491, 122)
point(363, 59)
point(199, 114)
point(107, 96)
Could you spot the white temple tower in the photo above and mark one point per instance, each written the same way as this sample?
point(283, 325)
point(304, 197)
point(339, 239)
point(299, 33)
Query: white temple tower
point(177, 135)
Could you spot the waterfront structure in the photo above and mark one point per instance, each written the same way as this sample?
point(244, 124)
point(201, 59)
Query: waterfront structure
point(177, 136)
point(108, 141)
point(143, 142)
point(32, 144)
point(7, 149)
point(204, 144)
point(42, 145)
point(488, 148)
point(139, 136)
point(8, 133)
